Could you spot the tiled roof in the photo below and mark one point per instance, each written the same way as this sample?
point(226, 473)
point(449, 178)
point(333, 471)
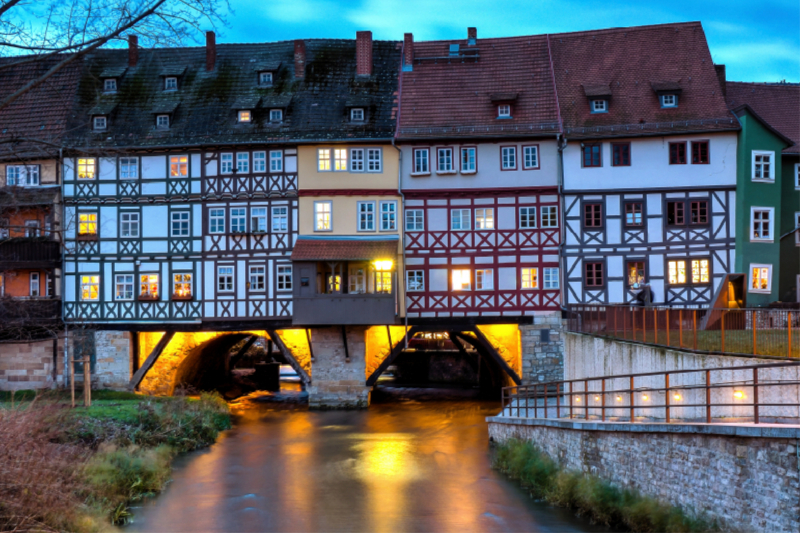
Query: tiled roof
point(777, 103)
point(636, 63)
point(448, 97)
point(344, 249)
point(314, 106)
point(39, 115)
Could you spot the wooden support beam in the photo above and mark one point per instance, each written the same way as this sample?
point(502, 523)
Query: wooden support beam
point(238, 355)
point(287, 354)
point(463, 351)
point(395, 351)
point(485, 348)
point(151, 360)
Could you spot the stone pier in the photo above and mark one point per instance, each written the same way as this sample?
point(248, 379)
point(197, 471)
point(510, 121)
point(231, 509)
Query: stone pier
point(338, 376)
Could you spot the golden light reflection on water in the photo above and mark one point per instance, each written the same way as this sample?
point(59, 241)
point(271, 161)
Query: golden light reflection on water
point(386, 458)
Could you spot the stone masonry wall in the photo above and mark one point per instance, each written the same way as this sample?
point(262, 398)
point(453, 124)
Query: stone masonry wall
point(542, 361)
point(30, 365)
point(113, 362)
point(337, 383)
point(750, 484)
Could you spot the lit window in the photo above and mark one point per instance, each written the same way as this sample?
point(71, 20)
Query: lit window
point(551, 278)
point(238, 219)
point(257, 276)
point(415, 220)
point(357, 160)
point(763, 168)
point(129, 225)
point(669, 100)
point(530, 278)
point(324, 159)
point(504, 111)
point(527, 217)
point(87, 223)
point(421, 161)
point(530, 157)
point(760, 278)
point(128, 168)
point(594, 274)
point(284, 277)
point(459, 219)
point(276, 161)
point(275, 115)
point(123, 287)
point(549, 216)
point(374, 160)
point(244, 115)
point(265, 78)
point(243, 163)
point(258, 219)
point(90, 288)
point(216, 220)
point(179, 166)
point(761, 225)
point(182, 286)
point(226, 163)
point(599, 106)
point(469, 162)
point(357, 114)
point(366, 216)
point(22, 175)
point(99, 123)
point(180, 224)
point(162, 122)
point(170, 83)
point(700, 272)
point(388, 216)
point(383, 277)
point(110, 85)
point(676, 272)
point(484, 279)
point(340, 159)
point(462, 280)
point(87, 168)
point(508, 157)
point(280, 219)
point(225, 279)
point(322, 216)
point(148, 286)
point(444, 158)
point(484, 218)
point(636, 274)
point(259, 161)
point(415, 280)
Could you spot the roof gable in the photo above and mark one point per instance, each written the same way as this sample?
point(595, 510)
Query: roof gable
point(776, 104)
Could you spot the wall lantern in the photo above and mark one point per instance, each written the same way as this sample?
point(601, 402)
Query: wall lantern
point(738, 394)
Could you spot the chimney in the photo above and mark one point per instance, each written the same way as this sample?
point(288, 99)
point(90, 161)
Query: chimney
point(363, 53)
point(723, 82)
point(299, 59)
point(133, 50)
point(408, 51)
point(211, 50)
point(472, 36)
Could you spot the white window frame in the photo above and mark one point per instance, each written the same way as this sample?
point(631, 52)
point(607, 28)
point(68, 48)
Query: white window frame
point(280, 219)
point(470, 165)
point(463, 215)
point(506, 160)
point(225, 281)
point(244, 116)
point(447, 167)
point(750, 278)
point(124, 280)
point(388, 207)
point(110, 85)
point(22, 175)
point(486, 215)
point(265, 79)
point(258, 219)
point(257, 278)
point(128, 168)
point(357, 162)
point(276, 116)
point(217, 220)
point(325, 213)
point(242, 162)
point(599, 106)
point(463, 276)
point(239, 214)
point(770, 223)
point(533, 151)
point(524, 221)
point(86, 282)
point(754, 165)
point(668, 100)
point(324, 160)
point(339, 161)
point(226, 163)
point(364, 209)
point(284, 278)
point(484, 279)
point(551, 278)
point(533, 275)
point(357, 114)
point(171, 83)
point(419, 276)
point(180, 217)
point(504, 111)
point(34, 279)
point(374, 160)
point(133, 222)
point(416, 216)
point(259, 162)
point(276, 160)
point(422, 161)
point(162, 122)
point(100, 123)
point(547, 209)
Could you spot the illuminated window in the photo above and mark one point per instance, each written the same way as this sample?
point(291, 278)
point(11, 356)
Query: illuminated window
point(226, 163)
point(258, 219)
point(128, 168)
point(148, 286)
point(322, 216)
point(280, 219)
point(530, 278)
point(761, 223)
point(179, 166)
point(444, 160)
point(676, 272)
point(508, 157)
point(366, 216)
point(763, 168)
point(87, 168)
point(549, 216)
point(182, 286)
point(334, 283)
point(415, 220)
point(238, 219)
point(415, 280)
point(339, 159)
point(636, 274)
point(129, 224)
point(484, 279)
point(276, 161)
point(388, 216)
point(87, 223)
point(225, 279)
point(284, 277)
point(633, 214)
point(760, 278)
point(123, 287)
point(259, 161)
point(551, 280)
point(245, 116)
point(484, 218)
point(462, 280)
point(421, 156)
point(90, 288)
point(257, 277)
point(383, 276)
point(527, 217)
point(324, 159)
point(243, 163)
point(216, 220)
point(459, 219)
point(700, 271)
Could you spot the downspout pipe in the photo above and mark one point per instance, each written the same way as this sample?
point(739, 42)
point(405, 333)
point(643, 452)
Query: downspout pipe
point(62, 282)
point(402, 217)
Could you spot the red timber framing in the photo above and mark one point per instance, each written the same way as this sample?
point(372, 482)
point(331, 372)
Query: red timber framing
point(513, 254)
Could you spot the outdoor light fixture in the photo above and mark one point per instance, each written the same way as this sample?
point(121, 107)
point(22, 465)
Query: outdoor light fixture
point(597, 398)
point(577, 398)
point(677, 397)
point(619, 398)
point(644, 397)
point(383, 265)
point(738, 394)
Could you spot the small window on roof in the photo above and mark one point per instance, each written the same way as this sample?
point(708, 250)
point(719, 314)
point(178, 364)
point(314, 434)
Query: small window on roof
point(99, 123)
point(162, 121)
point(669, 100)
point(171, 83)
point(599, 106)
point(110, 85)
point(265, 78)
point(245, 115)
point(275, 115)
point(357, 114)
point(504, 111)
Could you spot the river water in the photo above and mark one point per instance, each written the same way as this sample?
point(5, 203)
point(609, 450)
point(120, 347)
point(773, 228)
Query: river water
point(412, 462)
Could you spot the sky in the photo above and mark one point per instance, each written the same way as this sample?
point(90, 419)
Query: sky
point(756, 40)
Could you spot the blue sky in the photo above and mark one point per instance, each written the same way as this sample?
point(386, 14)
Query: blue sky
point(757, 40)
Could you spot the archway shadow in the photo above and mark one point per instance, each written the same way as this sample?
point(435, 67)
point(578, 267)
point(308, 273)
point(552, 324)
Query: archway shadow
point(205, 367)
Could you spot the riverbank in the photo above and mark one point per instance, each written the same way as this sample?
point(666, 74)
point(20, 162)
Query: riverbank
point(64, 469)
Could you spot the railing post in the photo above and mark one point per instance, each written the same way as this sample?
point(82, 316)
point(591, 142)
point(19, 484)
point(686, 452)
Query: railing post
point(755, 329)
point(570, 400)
point(666, 389)
point(755, 395)
point(603, 399)
point(708, 396)
point(722, 327)
point(680, 328)
point(789, 335)
point(630, 398)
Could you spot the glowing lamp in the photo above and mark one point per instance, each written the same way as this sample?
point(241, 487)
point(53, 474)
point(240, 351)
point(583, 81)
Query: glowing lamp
point(644, 397)
point(738, 394)
point(677, 397)
point(619, 398)
point(577, 398)
point(597, 398)
point(383, 265)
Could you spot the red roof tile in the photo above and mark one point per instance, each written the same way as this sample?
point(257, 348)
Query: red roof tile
point(776, 103)
point(343, 250)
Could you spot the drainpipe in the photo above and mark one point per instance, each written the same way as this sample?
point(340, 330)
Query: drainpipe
point(561, 229)
point(402, 213)
point(62, 282)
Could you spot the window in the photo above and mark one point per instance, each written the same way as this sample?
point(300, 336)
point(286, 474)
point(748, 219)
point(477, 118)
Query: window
point(225, 279)
point(636, 278)
point(182, 286)
point(591, 155)
point(599, 106)
point(128, 168)
point(469, 162)
point(129, 225)
point(179, 166)
point(226, 163)
point(216, 220)
point(699, 152)
point(324, 159)
point(110, 85)
point(357, 160)
point(284, 277)
point(87, 168)
point(259, 162)
point(620, 154)
point(383, 280)
point(3, 235)
point(676, 272)
point(484, 279)
point(276, 115)
point(677, 153)
point(243, 163)
point(322, 216)
point(280, 219)
point(265, 78)
point(676, 213)
point(669, 100)
point(527, 217)
point(257, 275)
point(530, 157)
point(415, 220)
point(592, 215)
point(13, 174)
point(633, 214)
point(90, 288)
point(31, 228)
point(180, 224)
point(340, 159)
point(459, 219)
point(33, 284)
point(698, 212)
point(462, 280)
point(123, 287)
point(797, 176)
point(677, 275)
point(148, 286)
point(358, 283)
point(594, 274)
point(388, 216)
point(276, 161)
point(504, 111)
point(508, 157)
point(162, 122)
point(530, 278)
point(170, 83)
point(444, 160)
point(22, 175)
point(550, 216)
point(421, 161)
point(99, 123)
point(258, 219)
point(366, 216)
point(760, 278)
point(357, 114)
point(415, 280)
point(484, 218)
point(238, 219)
point(761, 223)
point(374, 160)
point(763, 168)
point(244, 115)
point(551, 278)
point(797, 233)
point(87, 223)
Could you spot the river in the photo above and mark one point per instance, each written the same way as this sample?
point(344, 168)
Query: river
point(414, 461)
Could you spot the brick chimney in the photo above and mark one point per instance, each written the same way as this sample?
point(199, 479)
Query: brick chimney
point(363, 53)
point(211, 50)
point(408, 51)
point(133, 50)
point(472, 36)
point(299, 59)
point(723, 81)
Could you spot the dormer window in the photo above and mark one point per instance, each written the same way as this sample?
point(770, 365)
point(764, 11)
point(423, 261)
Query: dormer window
point(265, 79)
point(99, 123)
point(275, 115)
point(110, 85)
point(162, 122)
point(171, 83)
point(504, 111)
point(669, 100)
point(357, 114)
point(245, 116)
point(599, 106)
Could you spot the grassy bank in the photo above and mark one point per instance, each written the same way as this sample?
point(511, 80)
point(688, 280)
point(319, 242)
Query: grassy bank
point(590, 496)
point(64, 469)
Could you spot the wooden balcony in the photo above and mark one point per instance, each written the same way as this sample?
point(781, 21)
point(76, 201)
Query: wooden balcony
point(348, 309)
point(36, 252)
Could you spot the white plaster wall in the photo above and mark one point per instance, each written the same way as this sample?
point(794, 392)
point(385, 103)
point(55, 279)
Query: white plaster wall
point(154, 167)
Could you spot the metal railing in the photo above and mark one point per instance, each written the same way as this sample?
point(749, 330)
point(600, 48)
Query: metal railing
point(772, 332)
point(758, 393)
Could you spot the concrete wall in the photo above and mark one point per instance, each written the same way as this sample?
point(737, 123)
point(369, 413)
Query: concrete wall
point(31, 365)
point(542, 361)
point(748, 483)
point(338, 383)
